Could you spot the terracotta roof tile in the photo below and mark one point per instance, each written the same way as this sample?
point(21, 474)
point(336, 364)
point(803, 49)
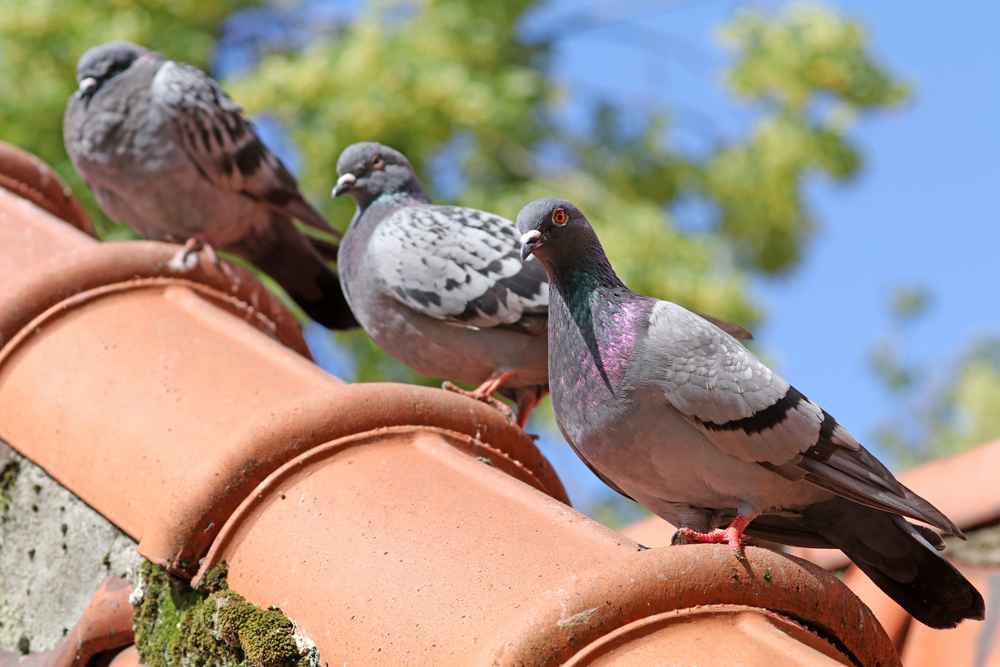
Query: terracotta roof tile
point(392, 523)
point(28, 177)
point(105, 624)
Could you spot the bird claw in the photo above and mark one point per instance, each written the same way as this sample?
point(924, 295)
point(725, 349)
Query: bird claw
point(499, 406)
point(183, 261)
point(186, 258)
point(717, 536)
point(733, 535)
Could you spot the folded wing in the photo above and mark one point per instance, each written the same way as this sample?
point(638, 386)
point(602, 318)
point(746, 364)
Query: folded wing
point(461, 266)
point(750, 412)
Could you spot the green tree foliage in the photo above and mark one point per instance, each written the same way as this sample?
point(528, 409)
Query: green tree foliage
point(938, 414)
point(458, 87)
point(811, 74)
point(425, 83)
point(41, 40)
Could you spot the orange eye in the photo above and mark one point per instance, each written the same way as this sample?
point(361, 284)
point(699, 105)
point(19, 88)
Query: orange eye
point(560, 217)
point(378, 162)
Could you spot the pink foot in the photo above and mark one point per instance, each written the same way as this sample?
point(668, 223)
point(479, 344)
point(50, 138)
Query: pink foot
point(526, 402)
point(732, 535)
point(481, 396)
point(492, 385)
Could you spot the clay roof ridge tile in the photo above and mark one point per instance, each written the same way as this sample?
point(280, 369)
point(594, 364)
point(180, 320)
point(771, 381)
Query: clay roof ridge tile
point(30, 178)
point(118, 265)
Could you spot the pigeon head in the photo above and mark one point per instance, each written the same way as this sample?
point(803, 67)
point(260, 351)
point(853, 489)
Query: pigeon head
point(102, 63)
point(552, 228)
point(369, 170)
point(559, 235)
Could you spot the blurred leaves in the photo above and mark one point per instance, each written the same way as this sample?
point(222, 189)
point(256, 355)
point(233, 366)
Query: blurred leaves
point(943, 407)
point(957, 411)
point(906, 305)
point(810, 72)
point(809, 50)
point(909, 303)
point(458, 87)
point(429, 85)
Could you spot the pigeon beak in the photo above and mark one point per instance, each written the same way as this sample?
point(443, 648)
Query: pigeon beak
point(529, 241)
point(87, 85)
point(344, 184)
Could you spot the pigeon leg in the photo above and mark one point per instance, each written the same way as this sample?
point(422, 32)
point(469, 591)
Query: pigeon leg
point(526, 402)
point(485, 391)
point(731, 535)
point(492, 385)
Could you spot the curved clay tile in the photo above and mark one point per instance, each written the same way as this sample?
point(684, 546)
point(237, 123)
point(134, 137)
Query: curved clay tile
point(105, 624)
point(754, 637)
point(126, 658)
point(394, 548)
point(394, 524)
point(180, 382)
point(26, 176)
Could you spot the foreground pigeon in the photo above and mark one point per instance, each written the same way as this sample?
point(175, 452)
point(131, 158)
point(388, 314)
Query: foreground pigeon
point(169, 154)
point(441, 288)
point(670, 410)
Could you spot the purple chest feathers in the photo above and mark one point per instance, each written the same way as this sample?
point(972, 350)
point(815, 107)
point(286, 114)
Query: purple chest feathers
point(593, 345)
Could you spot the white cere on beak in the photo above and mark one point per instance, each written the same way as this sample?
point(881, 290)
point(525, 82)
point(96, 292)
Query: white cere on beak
point(530, 236)
point(527, 239)
point(344, 182)
point(87, 83)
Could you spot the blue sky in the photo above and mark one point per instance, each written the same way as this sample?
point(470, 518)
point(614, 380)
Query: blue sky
point(923, 212)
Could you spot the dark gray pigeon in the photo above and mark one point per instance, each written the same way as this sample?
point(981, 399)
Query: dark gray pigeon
point(169, 154)
point(441, 288)
point(673, 412)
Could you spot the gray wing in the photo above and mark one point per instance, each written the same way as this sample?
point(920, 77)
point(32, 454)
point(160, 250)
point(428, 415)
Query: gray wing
point(750, 412)
point(462, 266)
point(734, 330)
point(223, 145)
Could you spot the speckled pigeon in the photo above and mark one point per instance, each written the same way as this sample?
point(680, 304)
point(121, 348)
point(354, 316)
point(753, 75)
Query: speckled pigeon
point(441, 288)
point(166, 152)
point(672, 411)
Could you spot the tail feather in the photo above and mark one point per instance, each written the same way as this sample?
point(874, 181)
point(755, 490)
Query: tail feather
point(902, 559)
point(292, 260)
point(331, 309)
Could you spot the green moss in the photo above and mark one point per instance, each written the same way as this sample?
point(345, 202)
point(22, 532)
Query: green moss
point(177, 625)
point(8, 477)
point(234, 613)
point(215, 579)
point(266, 638)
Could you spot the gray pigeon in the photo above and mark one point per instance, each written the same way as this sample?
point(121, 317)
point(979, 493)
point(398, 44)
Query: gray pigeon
point(166, 152)
point(441, 288)
point(673, 412)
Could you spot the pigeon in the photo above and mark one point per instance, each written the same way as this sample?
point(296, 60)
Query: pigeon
point(167, 153)
point(441, 288)
point(673, 412)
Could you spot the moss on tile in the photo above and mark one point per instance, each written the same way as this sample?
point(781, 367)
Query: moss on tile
point(177, 625)
point(267, 638)
point(215, 579)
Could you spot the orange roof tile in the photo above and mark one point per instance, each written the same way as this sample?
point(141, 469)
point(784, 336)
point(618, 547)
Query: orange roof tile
point(392, 523)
